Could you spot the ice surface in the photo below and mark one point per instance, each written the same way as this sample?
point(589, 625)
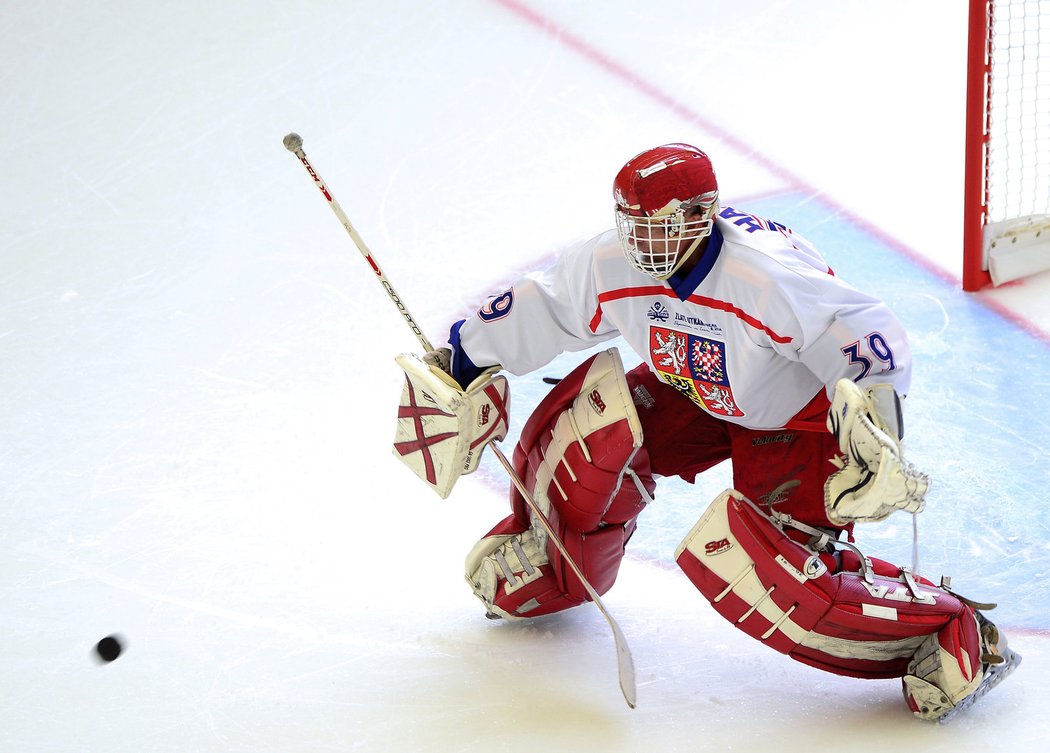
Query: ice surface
point(198, 386)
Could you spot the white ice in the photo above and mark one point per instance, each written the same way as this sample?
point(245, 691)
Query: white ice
point(197, 386)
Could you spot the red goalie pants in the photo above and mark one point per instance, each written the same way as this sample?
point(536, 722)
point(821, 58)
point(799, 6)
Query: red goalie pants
point(782, 470)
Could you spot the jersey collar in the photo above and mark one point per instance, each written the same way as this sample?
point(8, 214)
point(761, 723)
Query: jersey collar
point(684, 285)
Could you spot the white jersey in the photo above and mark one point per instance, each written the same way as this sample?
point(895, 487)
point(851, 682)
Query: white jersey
point(758, 333)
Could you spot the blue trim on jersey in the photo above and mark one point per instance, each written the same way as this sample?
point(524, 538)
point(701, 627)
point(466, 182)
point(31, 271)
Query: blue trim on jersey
point(684, 286)
point(463, 369)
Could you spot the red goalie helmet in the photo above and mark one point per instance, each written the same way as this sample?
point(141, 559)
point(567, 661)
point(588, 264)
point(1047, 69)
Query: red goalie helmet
point(666, 199)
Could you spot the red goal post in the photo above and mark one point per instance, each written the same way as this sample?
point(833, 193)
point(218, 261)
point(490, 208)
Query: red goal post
point(1006, 218)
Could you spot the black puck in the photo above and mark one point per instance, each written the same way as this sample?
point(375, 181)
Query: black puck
point(108, 648)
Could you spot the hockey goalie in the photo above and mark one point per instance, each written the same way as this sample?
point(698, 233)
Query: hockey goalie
point(752, 350)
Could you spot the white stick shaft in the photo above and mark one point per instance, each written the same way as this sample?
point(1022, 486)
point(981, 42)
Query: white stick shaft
point(297, 143)
point(624, 660)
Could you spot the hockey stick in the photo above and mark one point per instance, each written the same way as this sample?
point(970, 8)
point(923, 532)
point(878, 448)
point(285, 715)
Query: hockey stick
point(293, 142)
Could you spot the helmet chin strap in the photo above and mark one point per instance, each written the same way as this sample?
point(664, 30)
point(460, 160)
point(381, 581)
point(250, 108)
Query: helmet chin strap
point(685, 256)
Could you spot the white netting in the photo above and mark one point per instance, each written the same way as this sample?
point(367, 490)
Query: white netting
point(1019, 120)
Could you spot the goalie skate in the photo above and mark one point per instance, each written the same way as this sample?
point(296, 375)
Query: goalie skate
point(930, 702)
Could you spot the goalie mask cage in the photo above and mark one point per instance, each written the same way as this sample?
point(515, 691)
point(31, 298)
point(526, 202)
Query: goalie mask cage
point(1006, 232)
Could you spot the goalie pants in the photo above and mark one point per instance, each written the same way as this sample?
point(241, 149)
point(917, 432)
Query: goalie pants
point(782, 470)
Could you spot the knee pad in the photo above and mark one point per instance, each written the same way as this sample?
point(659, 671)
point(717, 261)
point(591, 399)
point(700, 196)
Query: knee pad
point(580, 451)
point(837, 611)
point(580, 457)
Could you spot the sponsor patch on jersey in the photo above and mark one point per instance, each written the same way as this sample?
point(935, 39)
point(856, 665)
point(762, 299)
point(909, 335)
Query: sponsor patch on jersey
point(696, 323)
point(658, 312)
point(696, 367)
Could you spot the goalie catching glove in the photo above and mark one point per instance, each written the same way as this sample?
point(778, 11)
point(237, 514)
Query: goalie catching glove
point(443, 428)
point(873, 479)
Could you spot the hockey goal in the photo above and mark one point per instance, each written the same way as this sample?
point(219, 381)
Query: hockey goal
point(1006, 232)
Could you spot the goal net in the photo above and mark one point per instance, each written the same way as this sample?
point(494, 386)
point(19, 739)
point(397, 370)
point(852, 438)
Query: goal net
point(1007, 193)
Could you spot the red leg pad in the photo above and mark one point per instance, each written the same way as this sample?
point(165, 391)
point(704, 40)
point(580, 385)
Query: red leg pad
point(813, 608)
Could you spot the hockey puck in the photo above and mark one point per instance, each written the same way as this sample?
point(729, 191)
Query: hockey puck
point(109, 648)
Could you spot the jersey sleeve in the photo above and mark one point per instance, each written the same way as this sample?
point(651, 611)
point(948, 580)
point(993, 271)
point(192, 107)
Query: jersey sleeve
point(846, 334)
point(830, 327)
point(542, 315)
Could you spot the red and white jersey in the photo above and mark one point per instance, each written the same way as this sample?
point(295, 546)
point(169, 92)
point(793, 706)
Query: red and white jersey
point(758, 333)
